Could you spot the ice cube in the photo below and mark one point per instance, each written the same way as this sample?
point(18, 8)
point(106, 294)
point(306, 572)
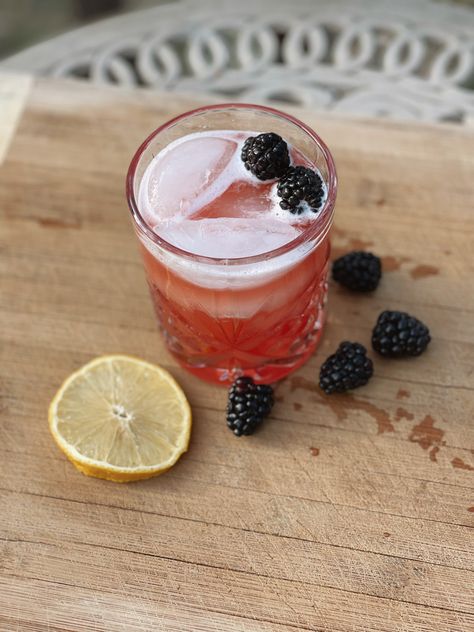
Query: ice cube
point(228, 237)
point(241, 199)
point(186, 175)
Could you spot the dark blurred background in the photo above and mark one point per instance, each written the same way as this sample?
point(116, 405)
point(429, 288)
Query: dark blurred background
point(27, 22)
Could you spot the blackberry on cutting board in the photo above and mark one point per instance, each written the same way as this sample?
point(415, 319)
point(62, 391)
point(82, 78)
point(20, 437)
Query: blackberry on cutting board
point(397, 334)
point(248, 405)
point(346, 369)
point(266, 156)
point(299, 185)
point(359, 271)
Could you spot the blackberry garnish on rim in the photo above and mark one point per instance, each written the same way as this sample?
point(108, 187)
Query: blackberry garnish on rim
point(266, 156)
point(299, 188)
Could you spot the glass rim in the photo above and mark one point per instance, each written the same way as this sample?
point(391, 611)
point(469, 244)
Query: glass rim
point(317, 228)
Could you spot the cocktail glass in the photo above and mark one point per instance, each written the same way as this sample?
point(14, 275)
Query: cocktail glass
point(261, 315)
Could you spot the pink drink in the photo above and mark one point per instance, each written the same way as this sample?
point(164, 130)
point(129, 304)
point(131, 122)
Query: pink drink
point(238, 283)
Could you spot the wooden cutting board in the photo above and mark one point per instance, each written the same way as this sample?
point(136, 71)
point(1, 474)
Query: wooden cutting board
point(345, 513)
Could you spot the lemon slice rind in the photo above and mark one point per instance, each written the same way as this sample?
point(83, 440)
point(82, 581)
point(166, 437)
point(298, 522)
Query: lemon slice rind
point(101, 468)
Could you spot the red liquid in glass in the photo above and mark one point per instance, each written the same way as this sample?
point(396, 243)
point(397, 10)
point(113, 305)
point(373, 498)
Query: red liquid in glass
point(265, 329)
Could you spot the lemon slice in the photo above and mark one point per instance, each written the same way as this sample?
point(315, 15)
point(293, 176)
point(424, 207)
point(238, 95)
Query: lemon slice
point(121, 418)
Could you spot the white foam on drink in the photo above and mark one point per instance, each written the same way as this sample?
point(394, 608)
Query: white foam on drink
point(227, 237)
point(306, 214)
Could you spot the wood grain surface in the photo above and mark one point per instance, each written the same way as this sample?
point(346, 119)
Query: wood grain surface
point(345, 513)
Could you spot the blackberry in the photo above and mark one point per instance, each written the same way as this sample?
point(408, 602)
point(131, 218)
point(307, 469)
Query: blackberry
point(300, 184)
point(397, 334)
point(248, 405)
point(266, 156)
point(359, 271)
point(348, 368)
